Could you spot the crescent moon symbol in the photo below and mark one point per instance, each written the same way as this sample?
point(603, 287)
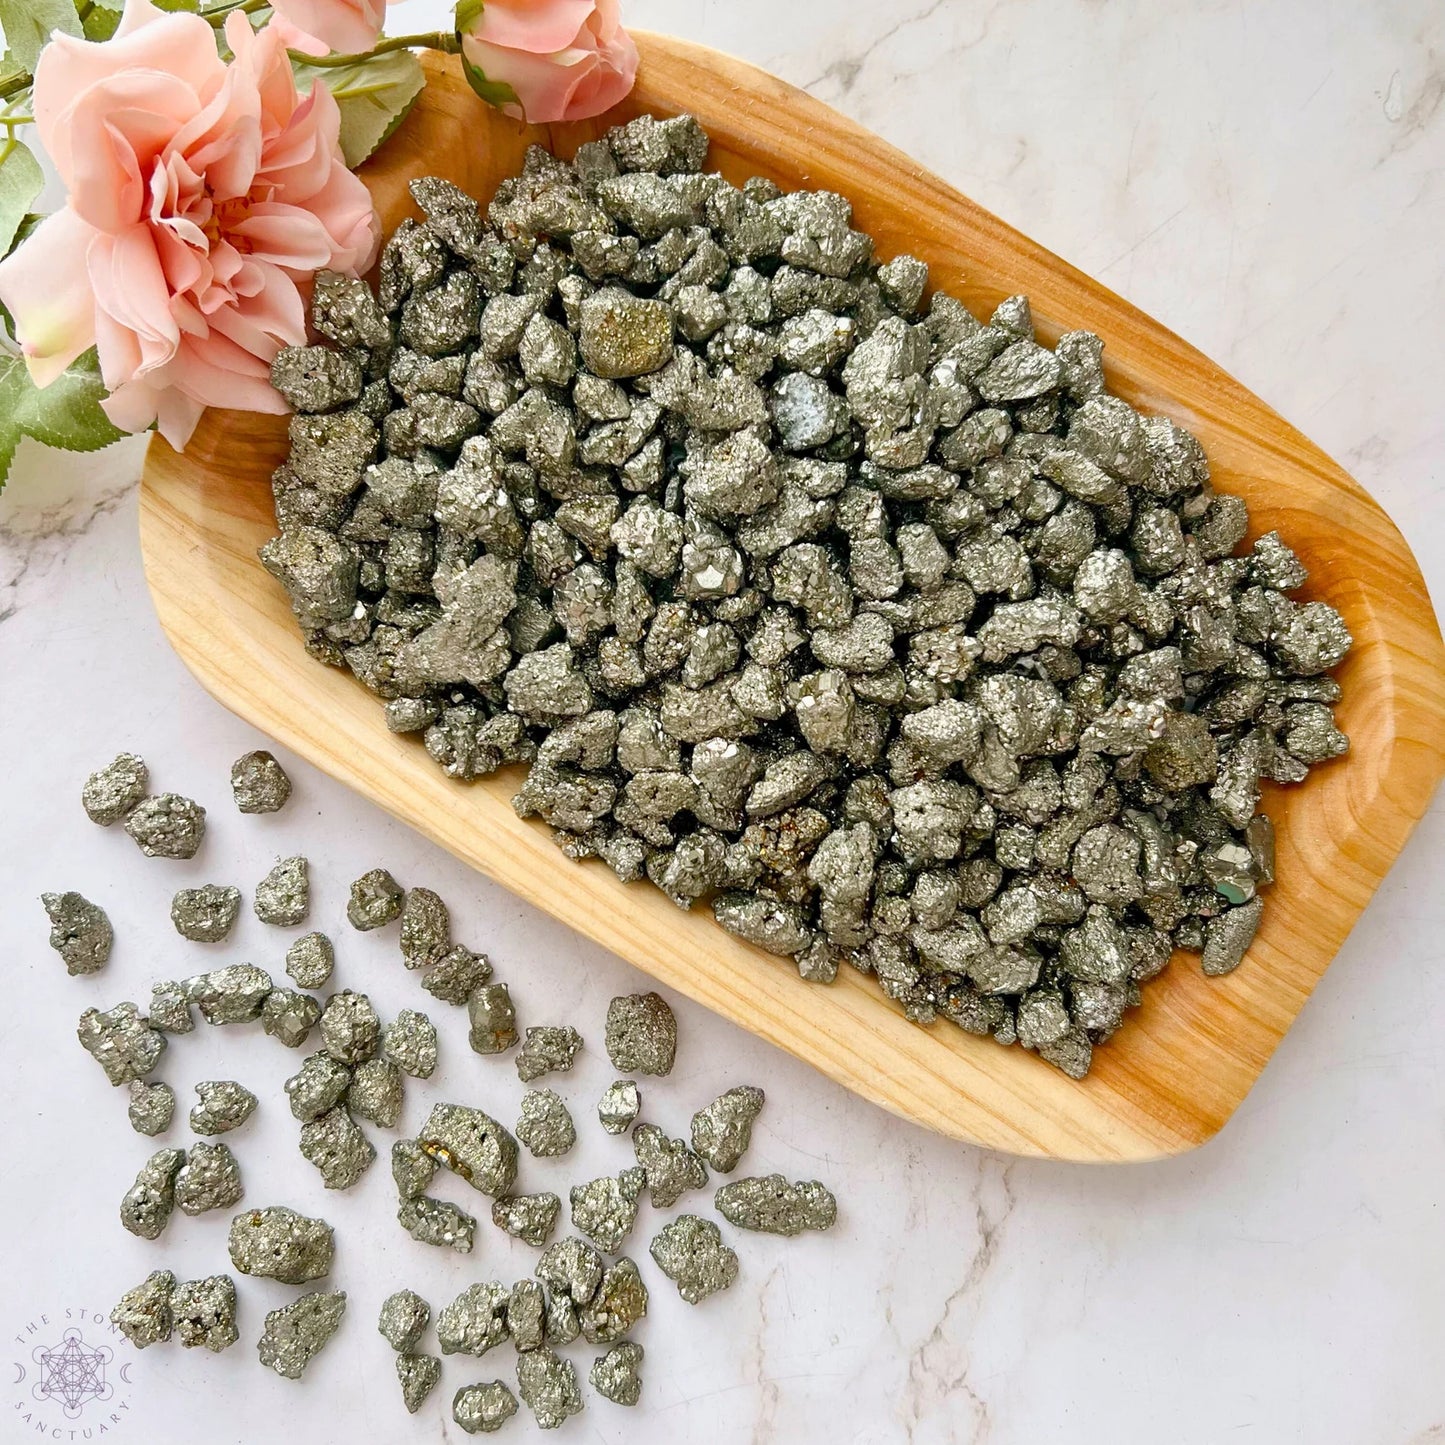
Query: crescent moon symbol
point(123, 1374)
point(19, 1373)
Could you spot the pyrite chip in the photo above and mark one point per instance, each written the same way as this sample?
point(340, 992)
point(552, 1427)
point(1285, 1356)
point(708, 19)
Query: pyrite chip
point(723, 1130)
point(472, 1144)
point(773, 1206)
point(690, 1252)
point(79, 932)
point(641, 1034)
point(110, 793)
point(296, 1333)
point(278, 1243)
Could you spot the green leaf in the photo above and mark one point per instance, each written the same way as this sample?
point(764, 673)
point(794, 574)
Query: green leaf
point(374, 97)
point(189, 6)
point(467, 12)
point(494, 92)
point(20, 182)
point(66, 414)
point(28, 25)
point(10, 69)
point(100, 22)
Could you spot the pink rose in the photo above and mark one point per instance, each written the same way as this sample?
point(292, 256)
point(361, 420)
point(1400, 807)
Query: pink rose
point(201, 197)
point(563, 59)
point(316, 26)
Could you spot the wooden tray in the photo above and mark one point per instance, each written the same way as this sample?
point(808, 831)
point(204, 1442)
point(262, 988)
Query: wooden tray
point(1182, 1062)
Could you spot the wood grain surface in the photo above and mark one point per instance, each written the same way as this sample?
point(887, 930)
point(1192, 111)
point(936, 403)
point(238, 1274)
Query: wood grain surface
point(1181, 1064)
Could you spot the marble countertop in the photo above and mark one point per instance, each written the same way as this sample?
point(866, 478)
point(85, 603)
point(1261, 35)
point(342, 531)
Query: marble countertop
point(1269, 180)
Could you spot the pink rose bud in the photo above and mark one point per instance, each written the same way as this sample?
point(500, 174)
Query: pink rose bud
point(201, 197)
point(316, 26)
point(546, 60)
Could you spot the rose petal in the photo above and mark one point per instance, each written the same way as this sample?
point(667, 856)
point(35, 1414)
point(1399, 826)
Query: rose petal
point(527, 25)
point(341, 25)
point(44, 285)
point(174, 49)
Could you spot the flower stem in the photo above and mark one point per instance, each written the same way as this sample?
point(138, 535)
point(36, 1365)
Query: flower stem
point(445, 40)
point(16, 84)
point(10, 122)
point(216, 17)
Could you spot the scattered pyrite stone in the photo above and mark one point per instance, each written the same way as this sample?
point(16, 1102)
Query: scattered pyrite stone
point(771, 1205)
point(146, 1207)
point(619, 1302)
point(605, 1209)
point(310, 959)
point(167, 826)
point(350, 1028)
point(170, 1006)
point(437, 1222)
point(204, 1311)
point(259, 783)
point(283, 896)
point(410, 1042)
point(528, 1217)
point(671, 1167)
point(690, 1252)
point(475, 1321)
point(548, 1386)
point(290, 1016)
point(144, 1315)
point(418, 1376)
point(483, 1409)
point(641, 1034)
point(122, 1041)
point(546, 1049)
point(619, 1106)
point(545, 1125)
point(880, 629)
point(723, 1130)
point(617, 1374)
point(571, 1268)
point(318, 1085)
point(295, 1333)
point(206, 914)
point(472, 1144)
point(209, 1179)
point(457, 975)
point(235, 994)
point(151, 1107)
point(403, 1320)
point(376, 900)
point(527, 1315)
point(336, 1145)
point(278, 1243)
point(79, 932)
point(492, 1018)
point(561, 1325)
point(412, 1168)
point(376, 1092)
point(115, 789)
point(224, 1105)
point(426, 929)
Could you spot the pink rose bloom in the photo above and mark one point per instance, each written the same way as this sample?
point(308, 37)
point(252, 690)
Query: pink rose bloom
point(201, 197)
point(316, 26)
point(564, 59)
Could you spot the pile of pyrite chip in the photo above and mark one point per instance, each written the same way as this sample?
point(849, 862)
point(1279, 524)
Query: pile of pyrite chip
point(886, 630)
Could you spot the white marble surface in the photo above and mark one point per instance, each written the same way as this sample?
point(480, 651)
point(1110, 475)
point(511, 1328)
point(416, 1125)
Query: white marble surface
point(1268, 179)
